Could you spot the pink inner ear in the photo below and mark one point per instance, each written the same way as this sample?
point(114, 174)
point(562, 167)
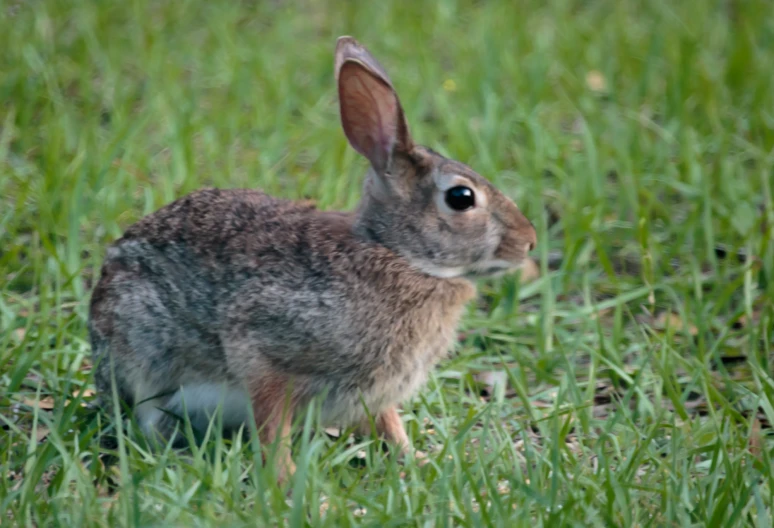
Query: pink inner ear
point(369, 114)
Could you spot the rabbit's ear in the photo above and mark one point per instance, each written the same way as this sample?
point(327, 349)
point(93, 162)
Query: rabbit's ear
point(371, 114)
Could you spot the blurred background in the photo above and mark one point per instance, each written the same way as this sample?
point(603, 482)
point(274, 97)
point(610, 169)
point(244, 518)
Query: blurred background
point(638, 137)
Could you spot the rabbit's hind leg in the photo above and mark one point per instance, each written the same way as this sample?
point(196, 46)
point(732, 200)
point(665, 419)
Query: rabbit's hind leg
point(274, 399)
point(137, 347)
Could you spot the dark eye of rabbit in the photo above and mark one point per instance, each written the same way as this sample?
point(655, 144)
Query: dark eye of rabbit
point(460, 198)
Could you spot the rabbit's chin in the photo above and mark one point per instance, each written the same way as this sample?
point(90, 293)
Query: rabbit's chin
point(493, 269)
point(483, 270)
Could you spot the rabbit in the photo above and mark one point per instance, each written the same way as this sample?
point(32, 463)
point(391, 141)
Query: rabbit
point(255, 305)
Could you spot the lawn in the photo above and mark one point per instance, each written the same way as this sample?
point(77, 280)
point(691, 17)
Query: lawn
point(623, 380)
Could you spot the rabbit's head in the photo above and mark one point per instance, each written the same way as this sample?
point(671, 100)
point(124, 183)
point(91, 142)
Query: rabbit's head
point(439, 214)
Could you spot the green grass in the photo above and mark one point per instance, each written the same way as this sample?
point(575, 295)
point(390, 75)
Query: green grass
point(639, 138)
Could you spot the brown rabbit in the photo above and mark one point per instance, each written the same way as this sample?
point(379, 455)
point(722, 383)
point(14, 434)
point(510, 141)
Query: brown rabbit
point(229, 298)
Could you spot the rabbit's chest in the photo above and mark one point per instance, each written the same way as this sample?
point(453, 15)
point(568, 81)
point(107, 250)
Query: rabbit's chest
point(383, 343)
point(392, 386)
point(406, 370)
point(397, 371)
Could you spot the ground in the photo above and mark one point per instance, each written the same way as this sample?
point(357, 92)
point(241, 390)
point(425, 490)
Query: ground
point(623, 380)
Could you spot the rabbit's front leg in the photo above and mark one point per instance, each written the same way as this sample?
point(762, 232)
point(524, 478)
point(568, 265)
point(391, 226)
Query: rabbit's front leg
point(273, 404)
point(390, 427)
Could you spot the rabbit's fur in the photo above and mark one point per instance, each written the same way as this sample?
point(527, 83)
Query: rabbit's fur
point(230, 298)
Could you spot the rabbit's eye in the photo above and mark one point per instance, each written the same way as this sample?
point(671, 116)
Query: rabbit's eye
point(460, 198)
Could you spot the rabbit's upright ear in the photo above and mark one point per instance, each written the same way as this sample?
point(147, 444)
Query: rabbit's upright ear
point(371, 114)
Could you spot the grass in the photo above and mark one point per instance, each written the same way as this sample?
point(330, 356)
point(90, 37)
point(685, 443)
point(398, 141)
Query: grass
point(630, 384)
